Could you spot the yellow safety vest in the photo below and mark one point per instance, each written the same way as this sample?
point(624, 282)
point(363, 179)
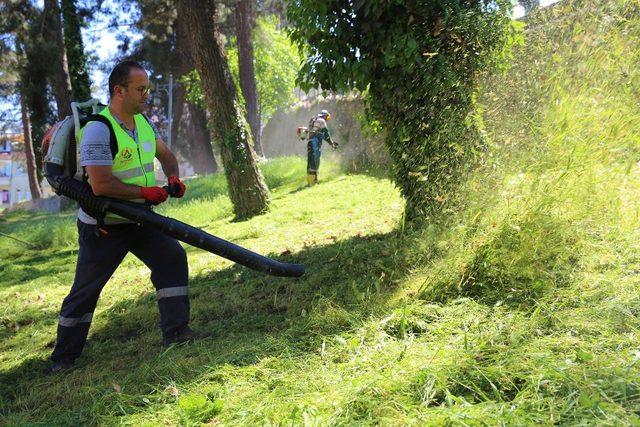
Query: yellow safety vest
point(133, 162)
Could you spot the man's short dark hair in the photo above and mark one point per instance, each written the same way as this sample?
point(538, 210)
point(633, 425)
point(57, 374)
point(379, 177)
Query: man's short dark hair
point(120, 74)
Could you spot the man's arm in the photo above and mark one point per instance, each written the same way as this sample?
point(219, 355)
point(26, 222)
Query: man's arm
point(96, 157)
point(323, 130)
point(170, 167)
point(167, 160)
point(326, 136)
point(104, 183)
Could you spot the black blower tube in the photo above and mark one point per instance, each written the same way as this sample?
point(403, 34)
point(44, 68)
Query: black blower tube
point(81, 192)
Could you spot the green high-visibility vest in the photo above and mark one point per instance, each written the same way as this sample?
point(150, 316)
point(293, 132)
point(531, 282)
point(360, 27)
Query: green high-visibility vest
point(133, 161)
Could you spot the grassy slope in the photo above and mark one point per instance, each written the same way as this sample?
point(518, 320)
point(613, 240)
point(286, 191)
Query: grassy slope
point(520, 308)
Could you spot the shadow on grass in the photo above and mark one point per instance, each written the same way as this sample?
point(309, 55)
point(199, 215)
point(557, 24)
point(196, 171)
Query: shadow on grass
point(251, 315)
point(303, 186)
point(27, 267)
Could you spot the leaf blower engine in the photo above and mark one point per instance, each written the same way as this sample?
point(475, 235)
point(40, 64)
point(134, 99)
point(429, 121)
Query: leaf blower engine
point(61, 167)
point(302, 132)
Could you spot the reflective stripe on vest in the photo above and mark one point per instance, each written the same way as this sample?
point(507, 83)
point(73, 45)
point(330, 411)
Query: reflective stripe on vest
point(132, 173)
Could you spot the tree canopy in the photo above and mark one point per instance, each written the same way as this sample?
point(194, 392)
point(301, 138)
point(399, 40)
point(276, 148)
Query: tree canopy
point(277, 63)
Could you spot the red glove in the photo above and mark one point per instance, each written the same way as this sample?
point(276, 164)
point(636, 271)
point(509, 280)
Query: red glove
point(155, 195)
point(177, 187)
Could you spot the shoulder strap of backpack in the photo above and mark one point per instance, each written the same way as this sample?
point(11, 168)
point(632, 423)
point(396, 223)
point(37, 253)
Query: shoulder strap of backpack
point(113, 142)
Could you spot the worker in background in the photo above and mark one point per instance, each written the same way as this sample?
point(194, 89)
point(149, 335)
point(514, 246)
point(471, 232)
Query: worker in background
point(318, 132)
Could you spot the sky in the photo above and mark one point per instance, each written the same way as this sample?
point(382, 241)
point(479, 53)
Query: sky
point(101, 41)
point(519, 10)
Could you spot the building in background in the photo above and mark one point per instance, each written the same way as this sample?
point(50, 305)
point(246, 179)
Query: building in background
point(14, 181)
point(6, 168)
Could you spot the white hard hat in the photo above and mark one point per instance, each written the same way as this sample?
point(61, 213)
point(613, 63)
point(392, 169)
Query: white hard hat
point(325, 114)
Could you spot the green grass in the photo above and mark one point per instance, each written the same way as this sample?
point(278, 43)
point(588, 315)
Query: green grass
point(520, 306)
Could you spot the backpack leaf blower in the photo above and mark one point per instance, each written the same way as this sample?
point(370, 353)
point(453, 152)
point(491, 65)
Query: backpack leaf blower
point(61, 169)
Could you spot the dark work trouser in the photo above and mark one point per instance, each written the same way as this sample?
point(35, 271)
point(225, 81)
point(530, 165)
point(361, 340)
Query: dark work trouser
point(313, 155)
point(98, 258)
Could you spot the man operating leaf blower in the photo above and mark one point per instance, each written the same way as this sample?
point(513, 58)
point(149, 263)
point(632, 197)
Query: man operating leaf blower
point(114, 184)
point(125, 171)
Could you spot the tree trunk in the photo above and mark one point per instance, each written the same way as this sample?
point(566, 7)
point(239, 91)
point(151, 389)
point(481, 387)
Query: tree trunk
point(34, 185)
point(200, 150)
point(33, 83)
point(202, 158)
point(247, 189)
point(245, 21)
point(60, 73)
point(178, 109)
point(76, 57)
